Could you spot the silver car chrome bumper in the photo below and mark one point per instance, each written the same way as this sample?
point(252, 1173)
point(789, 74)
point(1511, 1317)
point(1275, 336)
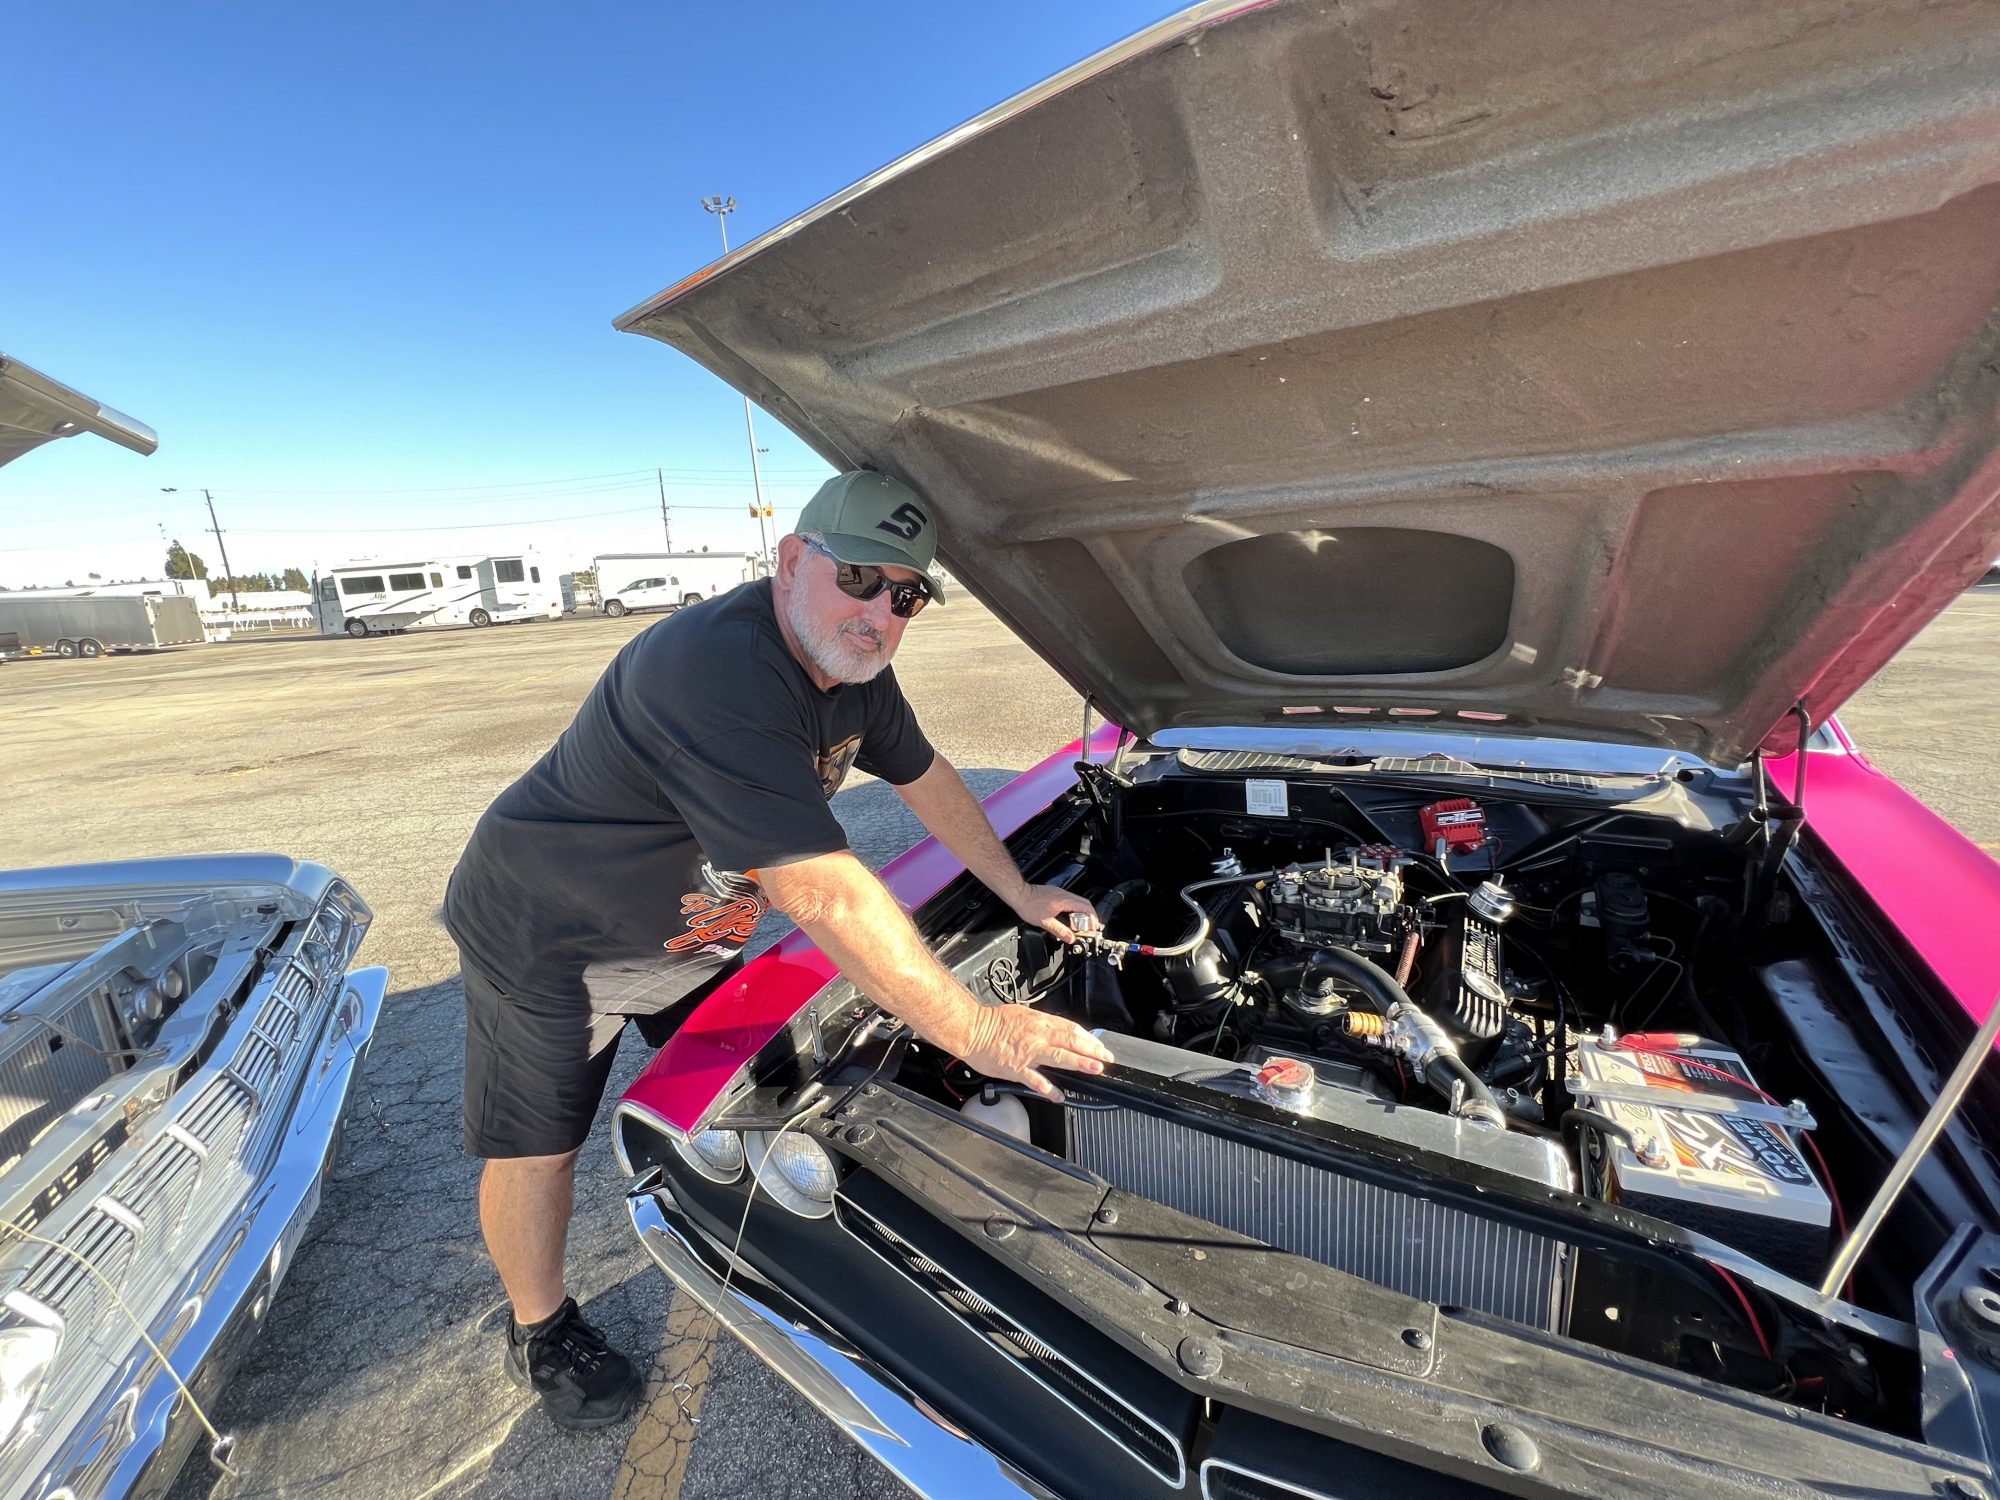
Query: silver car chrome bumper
point(136, 1443)
point(859, 1399)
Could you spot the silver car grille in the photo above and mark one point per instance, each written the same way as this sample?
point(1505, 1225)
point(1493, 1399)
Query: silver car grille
point(188, 1177)
point(63, 1283)
point(1412, 1245)
point(156, 1189)
point(1140, 1436)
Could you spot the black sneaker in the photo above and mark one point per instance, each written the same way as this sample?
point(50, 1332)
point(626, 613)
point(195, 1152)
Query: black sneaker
point(582, 1380)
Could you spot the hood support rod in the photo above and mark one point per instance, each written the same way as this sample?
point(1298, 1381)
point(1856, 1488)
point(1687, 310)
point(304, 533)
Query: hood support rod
point(1921, 1140)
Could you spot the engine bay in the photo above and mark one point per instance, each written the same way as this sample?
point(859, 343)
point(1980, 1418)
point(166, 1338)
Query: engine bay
point(1549, 996)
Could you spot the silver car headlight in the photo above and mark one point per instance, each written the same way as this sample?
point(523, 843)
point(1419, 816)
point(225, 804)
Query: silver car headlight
point(717, 1154)
point(797, 1172)
point(26, 1352)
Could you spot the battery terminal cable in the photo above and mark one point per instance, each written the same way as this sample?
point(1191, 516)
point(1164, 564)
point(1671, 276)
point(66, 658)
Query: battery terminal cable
point(1665, 1045)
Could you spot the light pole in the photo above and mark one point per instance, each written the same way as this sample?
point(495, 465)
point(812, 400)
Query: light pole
point(214, 526)
point(722, 208)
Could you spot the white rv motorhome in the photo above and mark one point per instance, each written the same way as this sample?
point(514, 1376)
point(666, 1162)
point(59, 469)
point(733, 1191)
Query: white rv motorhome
point(381, 598)
point(628, 581)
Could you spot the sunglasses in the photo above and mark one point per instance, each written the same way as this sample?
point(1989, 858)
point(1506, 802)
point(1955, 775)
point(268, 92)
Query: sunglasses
point(865, 581)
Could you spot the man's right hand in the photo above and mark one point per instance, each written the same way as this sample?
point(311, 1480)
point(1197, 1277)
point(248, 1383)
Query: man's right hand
point(857, 923)
point(1014, 1042)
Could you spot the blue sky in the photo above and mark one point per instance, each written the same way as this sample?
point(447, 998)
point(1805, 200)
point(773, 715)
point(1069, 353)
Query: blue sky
point(353, 260)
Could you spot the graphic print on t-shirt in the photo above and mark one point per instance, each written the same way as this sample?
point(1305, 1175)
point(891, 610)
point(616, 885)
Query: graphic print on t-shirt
point(833, 765)
point(721, 918)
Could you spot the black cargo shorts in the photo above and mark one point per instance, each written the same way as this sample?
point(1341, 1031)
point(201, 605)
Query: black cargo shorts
point(536, 1064)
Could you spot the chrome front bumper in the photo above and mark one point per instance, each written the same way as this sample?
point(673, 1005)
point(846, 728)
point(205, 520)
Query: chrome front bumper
point(851, 1391)
point(135, 1441)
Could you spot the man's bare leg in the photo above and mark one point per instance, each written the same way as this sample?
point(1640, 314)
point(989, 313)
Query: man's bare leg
point(524, 1208)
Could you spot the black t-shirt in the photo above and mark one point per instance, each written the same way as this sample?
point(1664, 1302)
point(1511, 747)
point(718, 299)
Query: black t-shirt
point(625, 857)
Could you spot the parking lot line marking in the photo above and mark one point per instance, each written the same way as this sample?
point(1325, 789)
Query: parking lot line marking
point(656, 1459)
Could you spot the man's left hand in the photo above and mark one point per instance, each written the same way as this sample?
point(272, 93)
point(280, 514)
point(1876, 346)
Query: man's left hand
point(1044, 906)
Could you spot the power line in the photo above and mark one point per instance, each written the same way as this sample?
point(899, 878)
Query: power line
point(637, 487)
point(630, 475)
point(640, 510)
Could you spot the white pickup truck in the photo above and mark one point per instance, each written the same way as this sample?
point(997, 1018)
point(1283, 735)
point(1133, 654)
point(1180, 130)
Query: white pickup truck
point(628, 581)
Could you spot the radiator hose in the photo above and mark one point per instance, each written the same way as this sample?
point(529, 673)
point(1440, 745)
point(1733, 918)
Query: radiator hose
point(1316, 998)
point(1404, 1027)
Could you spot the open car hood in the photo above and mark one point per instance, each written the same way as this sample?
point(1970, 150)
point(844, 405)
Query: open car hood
point(35, 410)
point(1626, 372)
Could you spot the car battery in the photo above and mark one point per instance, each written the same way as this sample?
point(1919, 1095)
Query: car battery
point(1708, 1150)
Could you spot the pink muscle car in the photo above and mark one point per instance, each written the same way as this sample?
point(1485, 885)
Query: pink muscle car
point(1472, 451)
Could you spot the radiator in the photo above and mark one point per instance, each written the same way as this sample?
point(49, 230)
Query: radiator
point(1409, 1244)
point(44, 1071)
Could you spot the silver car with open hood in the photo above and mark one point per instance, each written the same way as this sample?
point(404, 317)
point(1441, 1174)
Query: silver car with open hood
point(178, 1039)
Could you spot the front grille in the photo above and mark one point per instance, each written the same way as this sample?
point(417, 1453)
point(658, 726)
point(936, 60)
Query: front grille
point(1220, 1482)
point(185, 1181)
point(1148, 1442)
point(1412, 1245)
point(156, 1188)
point(256, 1065)
point(63, 1283)
point(218, 1115)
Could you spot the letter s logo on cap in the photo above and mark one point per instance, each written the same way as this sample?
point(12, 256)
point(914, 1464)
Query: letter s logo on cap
point(904, 521)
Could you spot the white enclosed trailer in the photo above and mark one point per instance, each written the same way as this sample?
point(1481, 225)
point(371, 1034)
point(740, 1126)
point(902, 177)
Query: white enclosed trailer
point(382, 598)
point(628, 581)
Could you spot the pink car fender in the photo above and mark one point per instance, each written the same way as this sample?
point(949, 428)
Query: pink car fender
point(1929, 881)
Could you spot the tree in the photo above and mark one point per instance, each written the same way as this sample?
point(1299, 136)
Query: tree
point(294, 579)
point(182, 563)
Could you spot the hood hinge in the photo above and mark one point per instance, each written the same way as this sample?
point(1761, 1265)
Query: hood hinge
point(1772, 830)
point(1101, 783)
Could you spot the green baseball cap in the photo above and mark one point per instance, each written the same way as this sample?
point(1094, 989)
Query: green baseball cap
point(867, 517)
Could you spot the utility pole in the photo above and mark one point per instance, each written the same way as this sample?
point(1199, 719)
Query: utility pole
point(722, 208)
point(215, 527)
point(666, 526)
point(227, 571)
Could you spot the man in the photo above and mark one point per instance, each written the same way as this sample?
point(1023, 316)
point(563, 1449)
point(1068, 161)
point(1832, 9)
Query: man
point(620, 877)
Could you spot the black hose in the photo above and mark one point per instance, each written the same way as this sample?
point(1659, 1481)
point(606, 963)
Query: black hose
point(1445, 1067)
point(1022, 1091)
point(1602, 1124)
point(1364, 974)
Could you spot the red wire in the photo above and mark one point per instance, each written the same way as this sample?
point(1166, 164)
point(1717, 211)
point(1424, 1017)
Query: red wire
point(945, 1079)
point(1402, 1083)
point(1748, 1311)
point(1833, 1197)
point(1826, 1176)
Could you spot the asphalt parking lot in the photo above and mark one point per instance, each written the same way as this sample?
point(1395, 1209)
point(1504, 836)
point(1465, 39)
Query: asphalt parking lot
point(378, 1373)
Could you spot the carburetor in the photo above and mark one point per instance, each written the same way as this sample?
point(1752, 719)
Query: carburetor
point(1355, 903)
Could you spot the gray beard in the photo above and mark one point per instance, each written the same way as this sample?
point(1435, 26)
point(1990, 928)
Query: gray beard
point(828, 647)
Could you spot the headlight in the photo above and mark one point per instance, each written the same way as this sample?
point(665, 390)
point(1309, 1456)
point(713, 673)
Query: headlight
point(798, 1174)
point(26, 1352)
point(716, 1154)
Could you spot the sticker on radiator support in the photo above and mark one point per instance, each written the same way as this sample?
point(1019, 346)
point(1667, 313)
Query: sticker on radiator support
point(1266, 799)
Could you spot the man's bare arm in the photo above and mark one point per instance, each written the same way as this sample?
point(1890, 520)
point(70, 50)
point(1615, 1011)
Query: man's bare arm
point(841, 905)
point(948, 809)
